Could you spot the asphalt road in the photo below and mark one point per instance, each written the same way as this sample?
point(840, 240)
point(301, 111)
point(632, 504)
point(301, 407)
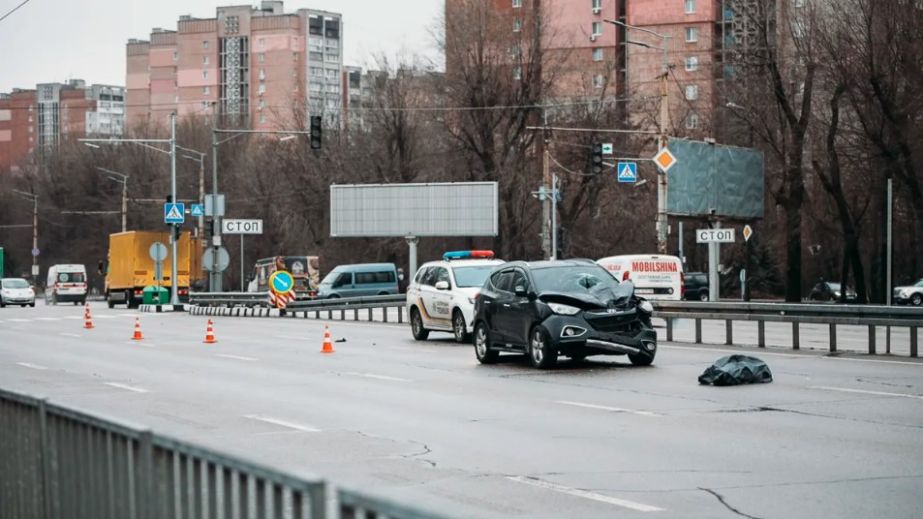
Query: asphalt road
point(424, 424)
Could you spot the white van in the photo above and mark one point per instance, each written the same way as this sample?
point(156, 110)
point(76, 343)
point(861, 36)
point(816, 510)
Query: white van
point(658, 278)
point(66, 284)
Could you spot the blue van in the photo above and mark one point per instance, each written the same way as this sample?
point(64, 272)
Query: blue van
point(366, 279)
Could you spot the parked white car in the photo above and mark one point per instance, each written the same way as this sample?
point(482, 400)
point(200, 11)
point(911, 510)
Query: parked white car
point(442, 294)
point(911, 294)
point(16, 291)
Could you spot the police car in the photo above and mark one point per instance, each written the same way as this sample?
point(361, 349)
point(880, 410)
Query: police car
point(441, 295)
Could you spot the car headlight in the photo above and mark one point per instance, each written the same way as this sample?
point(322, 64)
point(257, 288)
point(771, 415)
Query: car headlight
point(646, 307)
point(905, 293)
point(561, 309)
point(837, 293)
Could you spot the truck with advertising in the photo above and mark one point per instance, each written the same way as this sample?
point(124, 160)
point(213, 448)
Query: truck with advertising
point(130, 267)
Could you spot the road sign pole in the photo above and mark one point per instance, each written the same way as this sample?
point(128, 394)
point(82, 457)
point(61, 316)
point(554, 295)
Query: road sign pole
point(412, 253)
point(174, 278)
point(713, 259)
point(242, 289)
point(214, 276)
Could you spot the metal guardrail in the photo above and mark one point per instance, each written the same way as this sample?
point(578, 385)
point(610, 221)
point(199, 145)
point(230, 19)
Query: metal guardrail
point(228, 298)
point(796, 314)
point(59, 462)
point(211, 303)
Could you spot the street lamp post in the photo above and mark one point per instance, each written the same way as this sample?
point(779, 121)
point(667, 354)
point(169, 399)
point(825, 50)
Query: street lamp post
point(34, 198)
point(122, 179)
point(200, 158)
point(661, 226)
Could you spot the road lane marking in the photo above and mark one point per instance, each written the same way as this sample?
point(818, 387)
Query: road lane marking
point(607, 408)
point(235, 357)
point(74, 335)
point(126, 387)
point(18, 320)
point(624, 503)
point(31, 366)
point(47, 318)
point(73, 317)
point(918, 364)
point(283, 423)
point(732, 350)
point(866, 392)
point(377, 377)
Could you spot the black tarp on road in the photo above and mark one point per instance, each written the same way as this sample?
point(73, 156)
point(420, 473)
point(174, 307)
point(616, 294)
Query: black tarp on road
point(736, 369)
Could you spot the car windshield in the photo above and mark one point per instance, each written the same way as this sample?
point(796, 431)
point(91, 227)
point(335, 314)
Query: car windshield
point(466, 277)
point(919, 283)
point(595, 281)
point(833, 286)
point(70, 277)
point(15, 283)
point(330, 278)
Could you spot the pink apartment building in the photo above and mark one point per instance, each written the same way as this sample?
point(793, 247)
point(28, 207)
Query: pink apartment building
point(261, 68)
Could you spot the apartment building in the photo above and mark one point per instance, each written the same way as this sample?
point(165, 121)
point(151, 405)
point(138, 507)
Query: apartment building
point(35, 121)
point(260, 68)
point(598, 61)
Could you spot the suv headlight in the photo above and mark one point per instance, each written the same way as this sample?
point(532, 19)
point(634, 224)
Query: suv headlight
point(561, 309)
point(646, 307)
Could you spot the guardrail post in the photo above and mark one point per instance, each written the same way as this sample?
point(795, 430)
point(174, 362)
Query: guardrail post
point(45, 456)
point(669, 329)
point(317, 314)
point(355, 314)
point(370, 315)
point(832, 337)
point(761, 334)
point(913, 340)
point(872, 339)
point(796, 336)
point(343, 315)
point(728, 332)
point(329, 315)
point(400, 315)
point(144, 476)
point(384, 313)
point(698, 331)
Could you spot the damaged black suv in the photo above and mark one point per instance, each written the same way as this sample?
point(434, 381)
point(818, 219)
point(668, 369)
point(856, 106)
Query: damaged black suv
point(573, 308)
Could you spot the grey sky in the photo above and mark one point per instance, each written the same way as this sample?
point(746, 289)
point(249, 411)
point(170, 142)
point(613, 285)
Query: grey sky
point(55, 40)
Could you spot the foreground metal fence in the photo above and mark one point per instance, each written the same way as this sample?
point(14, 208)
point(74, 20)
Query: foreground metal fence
point(58, 462)
point(831, 315)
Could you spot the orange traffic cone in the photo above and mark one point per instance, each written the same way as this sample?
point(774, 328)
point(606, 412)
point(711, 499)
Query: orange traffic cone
point(137, 336)
point(210, 334)
point(328, 341)
point(87, 320)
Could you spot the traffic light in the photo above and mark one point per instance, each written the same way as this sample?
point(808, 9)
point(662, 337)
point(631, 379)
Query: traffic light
point(316, 132)
point(177, 229)
point(100, 267)
point(596, 159)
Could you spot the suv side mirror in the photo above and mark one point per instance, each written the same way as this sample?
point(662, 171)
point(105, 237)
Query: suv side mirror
point(521, 291)
point(442, 285)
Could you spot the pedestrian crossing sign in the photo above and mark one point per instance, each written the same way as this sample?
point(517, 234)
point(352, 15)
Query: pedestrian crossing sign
point(174, 213)
point(627, 171)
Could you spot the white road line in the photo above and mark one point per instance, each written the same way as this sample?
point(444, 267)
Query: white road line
point(283, 423)
point(377, 377)
point(73, 317)
point(17, 320)
point(236, 357)
point(624, 503)
point(918, 364)
point(31, 366)
point(732, 350)
point(607, 408)
point(48, 318)
point(74, 335)
point(126, 387)
point(866, 392)
point(107, 316)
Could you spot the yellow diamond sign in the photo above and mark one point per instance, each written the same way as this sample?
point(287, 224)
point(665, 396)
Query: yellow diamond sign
point(747, 232)
point(664, 160)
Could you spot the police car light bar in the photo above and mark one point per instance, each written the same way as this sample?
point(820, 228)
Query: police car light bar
point(468, 254)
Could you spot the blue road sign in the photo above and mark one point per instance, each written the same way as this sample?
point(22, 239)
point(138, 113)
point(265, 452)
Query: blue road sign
point(174, 213)
point(197, 210)
point(627, 171)
point(281, 282)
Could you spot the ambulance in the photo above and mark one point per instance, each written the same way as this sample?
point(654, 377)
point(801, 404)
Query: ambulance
point(656, 277)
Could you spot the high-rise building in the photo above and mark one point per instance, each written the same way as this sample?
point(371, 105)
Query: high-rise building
point(261, 68)
point(35, 121)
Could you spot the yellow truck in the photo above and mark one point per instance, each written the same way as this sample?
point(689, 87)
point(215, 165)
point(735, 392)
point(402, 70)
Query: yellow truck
point(130, 267)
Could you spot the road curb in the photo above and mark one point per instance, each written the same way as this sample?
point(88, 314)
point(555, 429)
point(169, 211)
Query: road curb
point(162, 308)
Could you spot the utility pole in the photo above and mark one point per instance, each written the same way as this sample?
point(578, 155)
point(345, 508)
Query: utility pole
point(214, 277)
point(34, 198)
point(547, 246)
point(174, 277)
point(121, 179)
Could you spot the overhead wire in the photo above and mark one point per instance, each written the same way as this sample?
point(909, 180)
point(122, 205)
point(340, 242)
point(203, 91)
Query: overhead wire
point(13, 10)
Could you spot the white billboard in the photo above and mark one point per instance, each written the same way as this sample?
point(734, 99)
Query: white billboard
point(442, 209)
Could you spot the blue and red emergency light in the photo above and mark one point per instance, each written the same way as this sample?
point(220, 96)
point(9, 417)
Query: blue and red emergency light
point(468, 254)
